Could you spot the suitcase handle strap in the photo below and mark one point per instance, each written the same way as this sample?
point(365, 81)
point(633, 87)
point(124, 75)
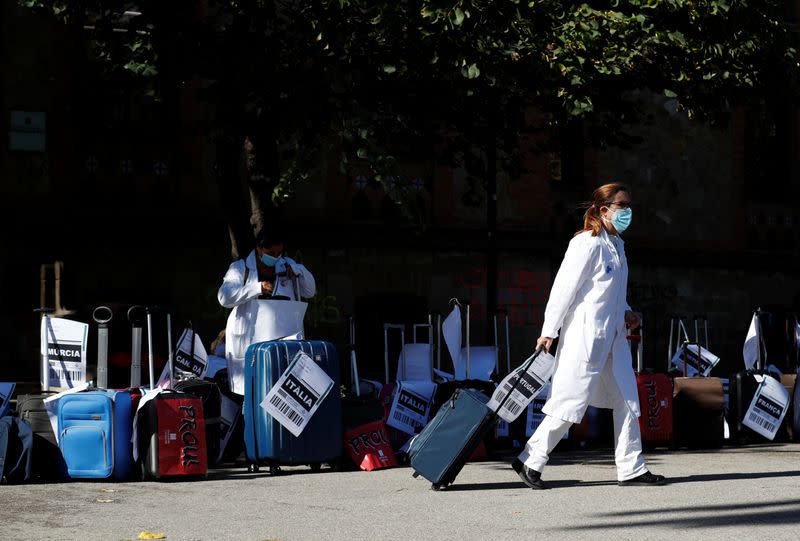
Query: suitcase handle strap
point(525, 366)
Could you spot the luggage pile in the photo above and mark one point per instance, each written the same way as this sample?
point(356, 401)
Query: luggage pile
point(296, 411)
point(687, 406)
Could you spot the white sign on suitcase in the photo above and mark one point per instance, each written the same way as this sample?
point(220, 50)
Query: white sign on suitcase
point(533, 381)
point(411, 406)
point(64, 348)
point(768, 407)
point(298, 393)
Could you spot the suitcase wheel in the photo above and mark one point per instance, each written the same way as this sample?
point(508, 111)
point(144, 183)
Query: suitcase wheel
point(274, 470)
point(439, 486)
point(253, 468)
point(316, 466)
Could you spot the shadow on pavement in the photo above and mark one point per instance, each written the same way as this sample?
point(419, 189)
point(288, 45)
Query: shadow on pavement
point(726, 507)
point(771, 514)
point(731, 476)
point(556, 483)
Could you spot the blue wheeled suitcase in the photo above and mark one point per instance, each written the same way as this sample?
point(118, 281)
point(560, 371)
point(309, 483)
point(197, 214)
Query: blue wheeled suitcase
point(443, 447)
point(266, 441)
point(95, 434)
point(440, 451)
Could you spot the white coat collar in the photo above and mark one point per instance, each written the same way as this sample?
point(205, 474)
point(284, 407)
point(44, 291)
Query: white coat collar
point(250, 261)
point(615, 246)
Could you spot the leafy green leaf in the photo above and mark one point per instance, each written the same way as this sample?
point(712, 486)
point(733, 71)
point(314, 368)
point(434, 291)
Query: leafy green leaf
point(457, 16)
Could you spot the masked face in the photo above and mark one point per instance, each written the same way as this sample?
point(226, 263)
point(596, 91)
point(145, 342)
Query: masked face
point(621, 219)
point(268, 260)
point(618, 212)
point(269, 256)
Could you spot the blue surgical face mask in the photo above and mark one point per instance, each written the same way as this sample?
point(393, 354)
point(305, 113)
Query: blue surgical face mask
point(621, 219)
point(268, 260)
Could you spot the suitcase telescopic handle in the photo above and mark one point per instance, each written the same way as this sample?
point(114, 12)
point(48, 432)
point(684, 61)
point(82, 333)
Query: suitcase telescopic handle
point(386, 328)
point(136, 315)
point(102, 315)
point(353, 358)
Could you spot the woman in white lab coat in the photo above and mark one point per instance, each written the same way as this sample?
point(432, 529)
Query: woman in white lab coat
point(593, 363)
point(265, 272)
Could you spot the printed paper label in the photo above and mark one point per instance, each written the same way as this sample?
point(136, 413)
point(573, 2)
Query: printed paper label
point(768, 407)
point(64, 347)
point(695, 363)
point(532, 383)
point(298, 393)
point(194, 361)
point(411, 406)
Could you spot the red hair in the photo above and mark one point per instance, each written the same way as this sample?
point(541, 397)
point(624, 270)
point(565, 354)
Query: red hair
point(601, 197)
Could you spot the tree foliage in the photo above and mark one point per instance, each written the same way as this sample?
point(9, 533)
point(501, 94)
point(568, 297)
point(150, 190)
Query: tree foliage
point(387, 82)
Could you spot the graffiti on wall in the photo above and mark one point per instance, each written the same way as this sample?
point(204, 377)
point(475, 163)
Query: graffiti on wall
point(522, 293)
point(647, 293)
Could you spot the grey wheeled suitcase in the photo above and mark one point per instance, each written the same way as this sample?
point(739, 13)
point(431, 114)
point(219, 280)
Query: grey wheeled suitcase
point(440, 451)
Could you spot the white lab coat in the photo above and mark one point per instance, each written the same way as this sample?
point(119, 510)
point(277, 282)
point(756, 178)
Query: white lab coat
point(588, 303)
point(237, 294)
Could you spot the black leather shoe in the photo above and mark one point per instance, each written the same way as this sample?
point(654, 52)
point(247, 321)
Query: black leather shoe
point(647, 479)
point(531, 478)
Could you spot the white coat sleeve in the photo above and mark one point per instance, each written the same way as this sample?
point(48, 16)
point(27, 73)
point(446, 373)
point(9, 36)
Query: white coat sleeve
point(574, 270)
point(305, 281)
point(234, 291)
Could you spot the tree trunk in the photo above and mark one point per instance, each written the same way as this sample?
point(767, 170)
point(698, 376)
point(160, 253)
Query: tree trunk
point(232, 198)
point(261, 169)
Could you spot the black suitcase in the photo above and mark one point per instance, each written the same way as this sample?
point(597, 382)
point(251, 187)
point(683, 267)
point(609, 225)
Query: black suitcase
point(743, 388)
point(48, 462)
point(235, 446)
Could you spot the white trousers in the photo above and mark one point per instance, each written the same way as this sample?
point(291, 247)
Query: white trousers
point(627, 438)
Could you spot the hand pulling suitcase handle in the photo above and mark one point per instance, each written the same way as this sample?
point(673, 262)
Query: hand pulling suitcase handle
point(525, 366)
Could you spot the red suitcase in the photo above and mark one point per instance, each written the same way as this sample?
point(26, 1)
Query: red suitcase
point(172, 436)
point(171, 428)
point(655, 399)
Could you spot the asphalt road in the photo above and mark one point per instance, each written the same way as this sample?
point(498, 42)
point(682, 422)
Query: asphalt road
point(746, 493)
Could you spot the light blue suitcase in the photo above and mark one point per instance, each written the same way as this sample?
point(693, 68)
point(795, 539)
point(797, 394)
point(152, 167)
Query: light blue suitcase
point(266, 441)
point(95, 434)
